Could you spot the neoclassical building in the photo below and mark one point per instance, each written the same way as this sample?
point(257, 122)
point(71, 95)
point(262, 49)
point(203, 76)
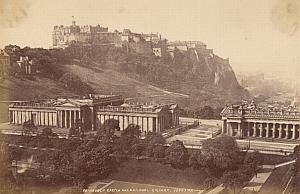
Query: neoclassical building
point(249, 120)
point(91, 111)
point(153, 118)
point(61, 112)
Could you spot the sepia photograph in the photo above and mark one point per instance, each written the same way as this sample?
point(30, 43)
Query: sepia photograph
point(149, 96)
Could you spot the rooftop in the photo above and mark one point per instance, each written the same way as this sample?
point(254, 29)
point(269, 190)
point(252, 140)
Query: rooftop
point(251, 109)
point(88, 100)
point(142, 108)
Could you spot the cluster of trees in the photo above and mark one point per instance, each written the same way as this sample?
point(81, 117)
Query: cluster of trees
point(79, 161)
point(222, 159)
point(7, 181)
point(206, 112)
point(48, 63)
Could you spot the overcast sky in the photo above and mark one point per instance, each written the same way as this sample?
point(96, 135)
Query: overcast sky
point(257, 35)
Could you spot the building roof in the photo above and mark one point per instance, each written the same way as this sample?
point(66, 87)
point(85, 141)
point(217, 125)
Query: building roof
point(75, 101)
point(139, 108)
point(252, 110)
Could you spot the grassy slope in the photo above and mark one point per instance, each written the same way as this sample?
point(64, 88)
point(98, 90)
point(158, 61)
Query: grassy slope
point(107, 81)
point(25, 89)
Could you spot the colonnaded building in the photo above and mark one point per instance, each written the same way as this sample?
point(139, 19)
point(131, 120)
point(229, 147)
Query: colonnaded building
point(249, 120)
point(92, 111)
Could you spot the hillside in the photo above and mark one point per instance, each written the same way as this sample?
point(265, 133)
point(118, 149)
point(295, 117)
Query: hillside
point(191, 78)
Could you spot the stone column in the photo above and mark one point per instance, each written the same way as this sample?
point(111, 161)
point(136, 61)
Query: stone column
point(280, 131)
point(120, 119)
point(125, 121)
point(150, 122)
point(267, 130)
point(254, 129)
point(298, 131)
point(287, 131)
point(239, 129)
point(140, 121)
point(159, 124)
point(60, 118)
point(19, 118)
point(294, 132)
point(13, 117)
point(228, 128)
point(147, 123)
point(273, 130)
point(223, 126)
point(65, 119)
point(248, 129)
point(261, 130)
point(92, 118)
point(50, 118)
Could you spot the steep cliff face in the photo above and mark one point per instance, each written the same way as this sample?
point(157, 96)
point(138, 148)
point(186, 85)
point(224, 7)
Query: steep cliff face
point(216, 69)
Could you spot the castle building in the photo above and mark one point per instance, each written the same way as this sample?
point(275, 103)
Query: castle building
point(249, 120)
point(63, 36)
point(92, 111)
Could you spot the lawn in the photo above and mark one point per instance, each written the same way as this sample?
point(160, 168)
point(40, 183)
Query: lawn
point(143, 171)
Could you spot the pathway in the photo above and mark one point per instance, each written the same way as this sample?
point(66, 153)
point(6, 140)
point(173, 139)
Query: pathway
point(258, 180)
point(216, 190)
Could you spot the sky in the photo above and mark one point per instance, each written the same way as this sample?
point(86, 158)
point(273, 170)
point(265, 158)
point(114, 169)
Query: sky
point(256, 35)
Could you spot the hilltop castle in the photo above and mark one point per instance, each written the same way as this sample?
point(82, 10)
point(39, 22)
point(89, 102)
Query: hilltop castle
point(64, 36)
point(152, 43)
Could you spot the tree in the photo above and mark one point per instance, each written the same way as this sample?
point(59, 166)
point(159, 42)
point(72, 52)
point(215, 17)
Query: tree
point(7, 182)
point(253, 160)
point(108, 128)
point(210, 182)
point(154, 140)
point(177, 154)
point(206, 112)
point(47, 132)
point(132, 131)
point(220, 153)
point(78, 128)
point(28, 127)
point(159, 151)
point(234, 179)
point(138, 149)
point(92, 160)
